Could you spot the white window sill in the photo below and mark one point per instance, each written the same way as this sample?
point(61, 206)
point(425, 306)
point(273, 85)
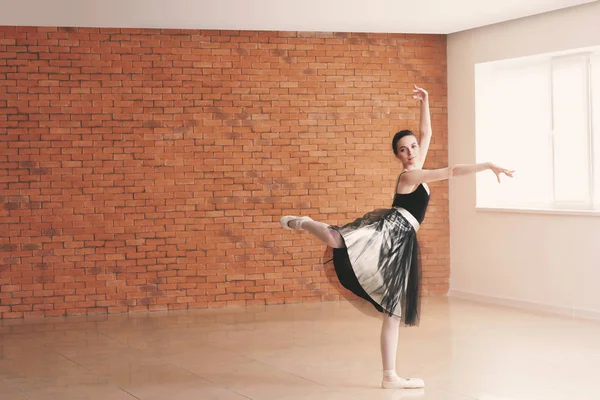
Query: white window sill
point(546, 211)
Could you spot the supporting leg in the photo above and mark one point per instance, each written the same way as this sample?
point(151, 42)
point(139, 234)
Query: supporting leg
point(389, 347)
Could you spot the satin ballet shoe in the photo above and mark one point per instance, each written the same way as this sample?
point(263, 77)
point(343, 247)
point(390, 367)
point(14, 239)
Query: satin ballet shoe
point(293, 222)
point(402, 383)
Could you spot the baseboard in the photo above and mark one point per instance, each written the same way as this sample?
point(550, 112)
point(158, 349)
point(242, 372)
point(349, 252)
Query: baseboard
point(527, 305)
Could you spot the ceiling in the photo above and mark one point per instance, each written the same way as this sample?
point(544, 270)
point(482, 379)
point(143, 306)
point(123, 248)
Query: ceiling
point(398, 16)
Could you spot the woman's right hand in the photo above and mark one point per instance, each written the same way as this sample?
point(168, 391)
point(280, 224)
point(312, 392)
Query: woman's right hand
point(420, 94)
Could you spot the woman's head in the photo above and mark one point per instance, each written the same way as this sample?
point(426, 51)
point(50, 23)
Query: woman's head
point(406, 148)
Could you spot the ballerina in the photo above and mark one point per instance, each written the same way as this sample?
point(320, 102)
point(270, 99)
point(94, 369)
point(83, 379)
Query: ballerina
point(376, 257)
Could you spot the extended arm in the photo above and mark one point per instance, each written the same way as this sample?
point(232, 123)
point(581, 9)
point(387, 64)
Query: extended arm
point(414, 177)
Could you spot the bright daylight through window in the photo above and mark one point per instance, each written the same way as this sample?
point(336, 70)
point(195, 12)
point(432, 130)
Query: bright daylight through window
point(540, 115)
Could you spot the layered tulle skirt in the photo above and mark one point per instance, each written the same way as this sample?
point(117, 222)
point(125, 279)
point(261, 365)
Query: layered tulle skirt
point(381, 262)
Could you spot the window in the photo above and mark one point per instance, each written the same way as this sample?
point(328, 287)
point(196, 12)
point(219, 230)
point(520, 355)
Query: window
point(541, 116)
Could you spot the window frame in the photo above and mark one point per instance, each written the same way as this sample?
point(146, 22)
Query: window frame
point(591, 205)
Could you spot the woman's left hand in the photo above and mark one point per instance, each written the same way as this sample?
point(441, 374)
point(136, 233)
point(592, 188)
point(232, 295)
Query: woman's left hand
point(497, 170)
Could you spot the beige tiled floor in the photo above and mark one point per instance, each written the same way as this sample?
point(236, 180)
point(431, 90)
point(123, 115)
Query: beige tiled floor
point(327, 351)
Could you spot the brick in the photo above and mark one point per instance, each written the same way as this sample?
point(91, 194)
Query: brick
point(150, 175)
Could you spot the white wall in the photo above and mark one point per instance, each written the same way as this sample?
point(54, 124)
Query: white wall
point(423, 16)
point(540, 261)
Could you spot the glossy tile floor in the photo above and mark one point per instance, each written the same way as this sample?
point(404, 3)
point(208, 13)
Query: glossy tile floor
point(462, 350)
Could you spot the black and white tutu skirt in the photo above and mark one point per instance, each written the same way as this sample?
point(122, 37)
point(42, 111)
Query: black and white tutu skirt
point(381, 262)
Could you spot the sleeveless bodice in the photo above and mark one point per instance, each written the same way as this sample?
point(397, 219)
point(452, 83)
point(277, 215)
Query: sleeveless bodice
point(415, 202)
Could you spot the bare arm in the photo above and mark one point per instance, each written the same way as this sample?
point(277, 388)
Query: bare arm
point(466, 169)
point(424, 124)
point(417, 176)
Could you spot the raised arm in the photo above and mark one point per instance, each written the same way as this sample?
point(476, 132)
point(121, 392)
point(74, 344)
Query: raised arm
point(425, 122)
point(417, 176)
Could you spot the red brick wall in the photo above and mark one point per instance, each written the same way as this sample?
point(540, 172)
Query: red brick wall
point(148, 169)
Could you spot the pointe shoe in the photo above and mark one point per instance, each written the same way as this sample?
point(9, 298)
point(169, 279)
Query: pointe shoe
point(402, 383)
point(294, 220)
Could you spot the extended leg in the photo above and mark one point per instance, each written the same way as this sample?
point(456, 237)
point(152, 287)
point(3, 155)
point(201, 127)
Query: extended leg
point(320, 230)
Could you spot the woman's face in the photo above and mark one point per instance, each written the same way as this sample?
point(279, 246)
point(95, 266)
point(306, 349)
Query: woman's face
point(408, 151)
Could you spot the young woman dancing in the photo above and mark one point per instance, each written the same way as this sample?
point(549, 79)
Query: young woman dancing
point(376, 256)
